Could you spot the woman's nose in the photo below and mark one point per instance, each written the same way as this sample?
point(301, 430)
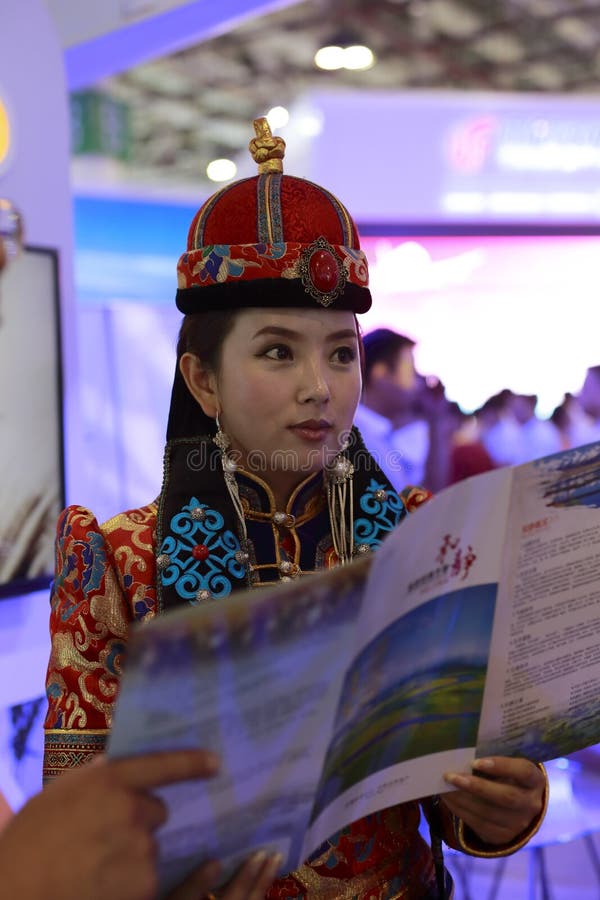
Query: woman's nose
point(314, 386)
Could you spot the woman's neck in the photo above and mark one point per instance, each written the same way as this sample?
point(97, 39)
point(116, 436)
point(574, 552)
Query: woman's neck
point(282, 485)
point(283, 489)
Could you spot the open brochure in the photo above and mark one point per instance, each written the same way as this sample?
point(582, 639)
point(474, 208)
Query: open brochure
point(474, 629)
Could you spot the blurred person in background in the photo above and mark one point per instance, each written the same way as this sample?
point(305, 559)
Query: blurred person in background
point(584, 414)
point(511, 431)
point(468, 455)
point(499, 428)
point(571, 422)
point(401, 416)
point(537, 437)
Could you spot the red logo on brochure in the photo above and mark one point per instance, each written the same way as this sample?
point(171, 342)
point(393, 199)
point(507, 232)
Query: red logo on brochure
point(458, 560)
point(452, 561)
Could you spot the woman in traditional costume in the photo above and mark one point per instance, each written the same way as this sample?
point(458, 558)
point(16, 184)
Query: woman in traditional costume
point(265, 480)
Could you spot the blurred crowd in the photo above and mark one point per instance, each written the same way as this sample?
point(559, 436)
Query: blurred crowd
point(420, 437)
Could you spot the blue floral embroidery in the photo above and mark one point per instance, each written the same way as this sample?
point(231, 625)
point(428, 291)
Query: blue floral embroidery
point(383, 515)
point(275, 251)
point(216, 264)
point(94, 557)
point(190, 575)
point(116, 650)
point(142, 607)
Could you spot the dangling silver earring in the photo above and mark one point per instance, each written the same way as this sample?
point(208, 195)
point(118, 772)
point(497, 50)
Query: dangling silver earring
point(229, 469)
point(221, 439)
point(340, 501)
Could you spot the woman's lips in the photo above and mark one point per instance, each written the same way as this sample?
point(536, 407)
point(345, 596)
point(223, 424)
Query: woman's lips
point(312, 430)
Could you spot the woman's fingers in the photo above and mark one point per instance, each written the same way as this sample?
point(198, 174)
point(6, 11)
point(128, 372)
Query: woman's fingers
point(254, 878)
point(251, 882)
point(199, 883)
point(522, 771)
point(500, 799)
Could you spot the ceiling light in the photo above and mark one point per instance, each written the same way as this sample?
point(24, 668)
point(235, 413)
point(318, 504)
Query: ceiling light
point(221, 170)
point(330, 57)
point(344, 50)
point(278, 117)
point(358, 57)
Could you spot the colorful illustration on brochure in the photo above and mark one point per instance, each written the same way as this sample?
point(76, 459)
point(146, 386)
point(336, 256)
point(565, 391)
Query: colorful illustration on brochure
point(416, 689)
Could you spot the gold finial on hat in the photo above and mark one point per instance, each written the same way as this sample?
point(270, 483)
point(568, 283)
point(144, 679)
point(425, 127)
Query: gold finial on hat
point(267, 151)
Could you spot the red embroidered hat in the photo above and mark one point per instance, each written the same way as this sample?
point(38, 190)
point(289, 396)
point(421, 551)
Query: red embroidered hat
point(272, 241)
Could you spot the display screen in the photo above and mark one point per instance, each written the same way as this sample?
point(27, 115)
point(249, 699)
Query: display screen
point(491, 310)
point(31, 435)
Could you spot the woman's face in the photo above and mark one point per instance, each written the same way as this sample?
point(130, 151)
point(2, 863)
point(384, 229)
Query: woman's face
point(287, 389)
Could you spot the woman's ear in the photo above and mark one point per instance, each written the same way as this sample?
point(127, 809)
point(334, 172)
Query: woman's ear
point(201, 383)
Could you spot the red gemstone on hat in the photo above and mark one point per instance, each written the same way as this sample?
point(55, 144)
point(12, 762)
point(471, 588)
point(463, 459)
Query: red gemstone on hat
point(324, 272)
point(200, 551)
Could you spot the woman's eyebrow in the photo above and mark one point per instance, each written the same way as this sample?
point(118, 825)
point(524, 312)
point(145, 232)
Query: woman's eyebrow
point(347, 334)
point(279, 331)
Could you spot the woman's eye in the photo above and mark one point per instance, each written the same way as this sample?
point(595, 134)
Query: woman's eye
point(279, 352)
point(344, 355)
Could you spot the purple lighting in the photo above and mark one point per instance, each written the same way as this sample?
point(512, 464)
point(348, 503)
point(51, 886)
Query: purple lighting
point(492, 311)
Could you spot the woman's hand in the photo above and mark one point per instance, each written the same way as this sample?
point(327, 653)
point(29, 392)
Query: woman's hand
point(251, 882)
point(499, 800)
